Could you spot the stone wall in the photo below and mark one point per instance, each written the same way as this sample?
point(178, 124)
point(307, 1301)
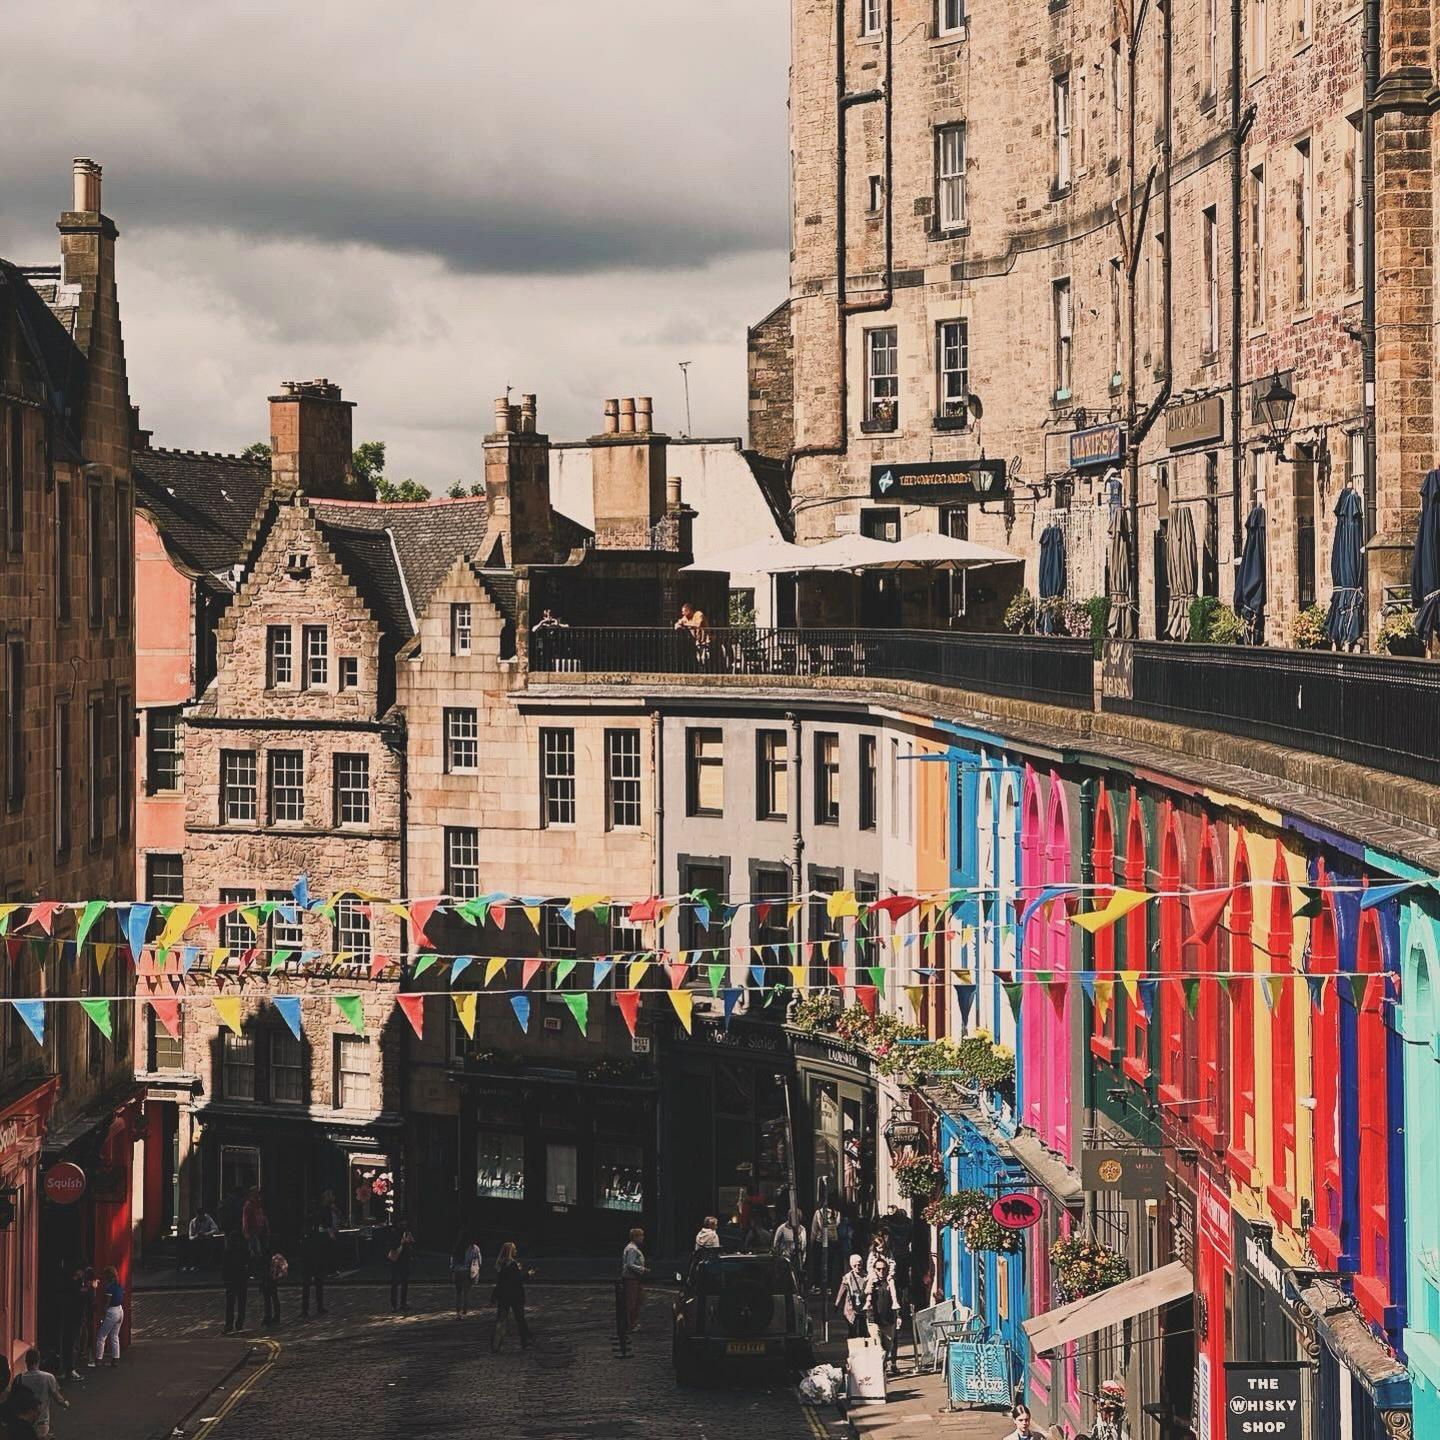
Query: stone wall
point(771, 370)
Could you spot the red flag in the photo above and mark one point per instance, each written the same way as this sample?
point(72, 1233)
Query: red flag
point(645, 910)
point(414, 1008)
point(838, 972)
point(420, 913)
point(14, 948)
point(1206, 908)
point(248, 959)
point(677, 970)
point(629, 1003)
point(497, 914)
point(377, 963)
point(207, 915)
point(866, 994)
point(528, 971)
point(762, 911)
point(42, 912)
point(168, 1013)
point(895, 906)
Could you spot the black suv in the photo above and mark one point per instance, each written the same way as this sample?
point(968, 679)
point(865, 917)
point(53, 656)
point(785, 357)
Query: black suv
point(737, 1312)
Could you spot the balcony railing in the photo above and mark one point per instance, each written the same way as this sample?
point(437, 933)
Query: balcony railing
point(1050, 671)
point(1382, 712)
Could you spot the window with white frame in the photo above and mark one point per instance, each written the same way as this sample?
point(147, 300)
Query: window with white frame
point(237, 934)
point(1060, 88)
point(462, 741)
point(827, 779)
point(772, 775)
point(1354, 203)
point(1304, 226)
point(285, 934)
point(287, 787)
point(239, 801)
point(1117, 100)
point(462, 862)
point(352, 789)
point(349, 672)
point(622, 778)
point(557, 776)
point(949, 16)
point(950, 175)
point(875, 194)
point(317, 656)
point(1210, 257)
point(279, 656)
point(163, 754)
point(1258, 276)
point(237, 1077)
point(1060, 319)
point(882, 373)
point(1259, 37)
point(1304, 20)
point(352, 1072)
point(1117, 324)
point(952, 368)
point(1209, 48)
point(460, 628)
point(704, 771)
point(870, 17)
point(287, 1069)
point(352, 929)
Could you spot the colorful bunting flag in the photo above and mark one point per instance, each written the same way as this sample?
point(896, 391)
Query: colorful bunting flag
point(841, 904)
point(1312, 902)
point(1146, 992)
point(1206, 908)
point(528, 972)
point(562, 972)
point(277, 960)
point(1119, 905)
point(167, 1012)
point(520, 1004)
point(716, 974)
point(99, 1013)
point(914, 993)
point(797, 977)
point(964, 998)
point(757, 976)
point(866, 995)
point(422, 964)
point(1103, 997)
point(1375, 895)
point(137, 926)
point(1014, 993)
point(678, 971)
point(837, 974)
point(493, 967)
point(352, 1007)
point(730, 998)
point(578, 1003)
point(289, 1008)
point(628, 1002)
point(1192, 996)
point(94, 909)
point(683, 1003)
point(877, 977)
point(230, 1009)
point(636, 973)
point(601, 970)
point(465, 1009)
point(413, 1008)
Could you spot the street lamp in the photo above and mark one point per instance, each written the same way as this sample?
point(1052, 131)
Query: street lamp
point(1276, 405)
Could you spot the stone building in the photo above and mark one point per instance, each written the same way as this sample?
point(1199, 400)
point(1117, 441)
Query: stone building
point(1100, 293)
point(66, 827)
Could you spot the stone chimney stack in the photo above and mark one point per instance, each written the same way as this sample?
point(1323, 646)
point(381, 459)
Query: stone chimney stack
point(312, 442)
point(628, 475)
point(87, 174)
point(517, 486)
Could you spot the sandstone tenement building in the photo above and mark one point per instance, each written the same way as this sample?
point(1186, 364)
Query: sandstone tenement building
point(1114, 227)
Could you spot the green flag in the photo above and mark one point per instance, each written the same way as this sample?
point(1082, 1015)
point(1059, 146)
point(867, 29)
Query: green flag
point(1312, 904)
point(352, 1007)
point(94, 909)
point(1192, 996)
point(877, 976)
point(278, 959)
point(579, 1004)
point(1357, 984)
point(99, 1013)
point(562, 971)
point(423, 964)
point(717, 973)
point(1015, 994)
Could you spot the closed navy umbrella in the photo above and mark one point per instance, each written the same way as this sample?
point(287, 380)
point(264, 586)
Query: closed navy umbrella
point(1425, 563)
point(1052, 573)
point(1250, 577)
point(1346, 622)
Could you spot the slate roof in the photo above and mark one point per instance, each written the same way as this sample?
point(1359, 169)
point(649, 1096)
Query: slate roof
point(204, 505)
point(37, 296)
point(368, 559)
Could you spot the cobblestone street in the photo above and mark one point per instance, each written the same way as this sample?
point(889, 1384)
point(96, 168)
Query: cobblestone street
point(360, 1370)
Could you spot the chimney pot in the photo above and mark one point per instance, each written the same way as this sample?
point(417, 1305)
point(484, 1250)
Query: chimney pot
point(612, 416)
point(527, 414)
point(502, 416)
point(643, 415)
point(672, 492)
point(86, 175)
point(627, 417)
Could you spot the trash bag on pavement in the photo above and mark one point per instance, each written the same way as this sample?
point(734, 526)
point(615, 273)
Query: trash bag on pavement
point(822, 1385)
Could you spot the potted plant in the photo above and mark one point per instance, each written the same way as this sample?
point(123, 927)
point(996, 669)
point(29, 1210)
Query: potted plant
point(1084, 1266)
point(1019, 617)
point(968, 1211)
point(917, 1176)
point(1214, 623)
point(1397, 634)
point(1308, 630)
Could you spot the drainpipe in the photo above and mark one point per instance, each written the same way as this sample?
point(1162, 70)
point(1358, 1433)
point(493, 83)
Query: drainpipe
point(797, 841)
point(1371, 44)
point(657, 766)
point(1240, 124)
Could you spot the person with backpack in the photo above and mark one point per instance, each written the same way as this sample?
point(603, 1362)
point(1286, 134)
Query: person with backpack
point(314, 1262)
point(465, 1260)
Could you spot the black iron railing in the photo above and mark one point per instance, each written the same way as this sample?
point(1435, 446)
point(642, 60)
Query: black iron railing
point(1047, 670)
point(1383, 712)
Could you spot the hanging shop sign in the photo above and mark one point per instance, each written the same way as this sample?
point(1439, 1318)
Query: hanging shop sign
point(1193, 423)
point(64, 1183)
point(1097, 445)
point(939, 482)
point(1262, 1401)
point(1133, 1174)
point(1016, 1211)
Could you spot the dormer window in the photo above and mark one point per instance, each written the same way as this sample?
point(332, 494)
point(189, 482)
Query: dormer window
point(297, 564)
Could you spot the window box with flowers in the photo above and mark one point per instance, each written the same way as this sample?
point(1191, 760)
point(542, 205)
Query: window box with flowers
point(917, 1177)
point(968, 1211)
point(1085, 1267)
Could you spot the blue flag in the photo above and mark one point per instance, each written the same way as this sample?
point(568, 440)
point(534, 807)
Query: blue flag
point(602, 969)
point(757, 976)
point(1147, 990)
point(289, 1008)
point(730, 995)
point(965, 998)
point(520, 1004)
point(137, 927)
point(32, 1012)
point(702, 915)
point(301, 892)
point(461, 962)
point(1378, 894)
point(188, 956)
point(1049, 893)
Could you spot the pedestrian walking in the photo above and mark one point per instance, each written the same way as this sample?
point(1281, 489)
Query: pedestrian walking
point(509, 1297)
point(850, 1298)
point(400, 1254)
point(273, 1269)
point(255, 1223)
point(235, 1273)
point(1024, 1427)
point(18, 1416)
point(880, 1253)
point(825, 1251)
point(76, 1298)
point(883, 1306)
point(465, 1260)
point(633, 1271)
point(707, 1237)
point(112, 1296)
point(789, 1242)
point(314, 1263)
point(43, 1386)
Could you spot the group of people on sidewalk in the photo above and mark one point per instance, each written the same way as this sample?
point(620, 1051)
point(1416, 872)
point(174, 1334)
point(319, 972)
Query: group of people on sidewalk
point(507, 1294)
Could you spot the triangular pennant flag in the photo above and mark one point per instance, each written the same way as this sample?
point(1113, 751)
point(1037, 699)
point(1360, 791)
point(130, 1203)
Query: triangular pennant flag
point(1206, 908)
point(562, 972)
point(459, 965)
point(716, 973)
point(413, 1008)
point(137, 926)
point(644, 910)
point(177, 922)
point(757, 976)
point(628, 1002)
point(493, 967)
point(797, 977)
point(497, 914)
point(99, 1013)
point(230, 1009)
point(423, 963)
point(103, 952)
point(1146, 991)
point(792, 910)
point(301, 892)
point(1192, 996)
point(1015, 994)
point(1051, 892)
point(1274, 985)
point(352, 1007)
point(762, 911)
point(528, 971)
point(601, 973)
point(532, 914)
point(866, 995)
point(42, 913)
point(188, 956)
point(6, 911)
point(465, 1001)
point(683, 1002)
point(567, 914)
point(1044, 977)
point(837, 974)
point(578, 1003)
point(378, 962)
point(1103, 997)
point(1119, 905)
point(877, 977)
point(1356, 985)
point(841, 904)
point(895, 906)
point(420, 913)
point(94, 909)
point(636, 973)
point(289, 1008)
point(520, 1004)
point(277, 960)
point(1378, 894)
point(730, 998)
point(251, 956)
point(1316, 985)
point(964, 998)
point(914, 993)
point(677, 970)
point(1312, 902)
point(167, 1012)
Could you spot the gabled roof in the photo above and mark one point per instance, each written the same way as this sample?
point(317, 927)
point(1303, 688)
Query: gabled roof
point(368, 559)
point(59, 364)
point(204, 505)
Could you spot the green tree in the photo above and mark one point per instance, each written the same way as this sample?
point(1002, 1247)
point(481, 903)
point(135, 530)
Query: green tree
point(368, 463)
point(258, 451)
point(459, 490)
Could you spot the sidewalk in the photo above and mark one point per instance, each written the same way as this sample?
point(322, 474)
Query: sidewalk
point(915, 1406)
point(154, 1388)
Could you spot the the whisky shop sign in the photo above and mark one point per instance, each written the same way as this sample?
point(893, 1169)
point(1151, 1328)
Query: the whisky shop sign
point(938, 482)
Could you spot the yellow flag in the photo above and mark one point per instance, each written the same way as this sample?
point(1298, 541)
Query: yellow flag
point(218, 956)
point(636, 974)
point(1130, 979)
point(797, 977)
point(840, 904)
point(228, 1008)
point(103, 951)
point(493, 967)
point(1120, 904)
point(684, 1002)
point(401, 910)
point(532, 914)
point(586, 902)
point(792, 910)
point(465, 1009)
point(177, 924)
point(915, 992)
point(1104, 991)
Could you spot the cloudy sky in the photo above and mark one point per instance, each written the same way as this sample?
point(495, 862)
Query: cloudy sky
point(422, 203)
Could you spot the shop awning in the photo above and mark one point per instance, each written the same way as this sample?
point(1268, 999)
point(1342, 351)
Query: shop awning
point(1353, 1343)
point(1110, 1307)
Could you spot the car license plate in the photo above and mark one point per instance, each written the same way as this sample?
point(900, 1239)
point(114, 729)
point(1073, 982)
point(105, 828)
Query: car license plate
point(745, 1347)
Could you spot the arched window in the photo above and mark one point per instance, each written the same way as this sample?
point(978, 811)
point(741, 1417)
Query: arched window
point(1032, 879)
point(1325, 1078)
point(1009, 844)
point(1242, 1018)
point(1208, 1111)
point(1137, 946)
point(1372, 1285)
point(1278, 942)
point(1102, 866)
point(1172, 995)
point(1055, 1006)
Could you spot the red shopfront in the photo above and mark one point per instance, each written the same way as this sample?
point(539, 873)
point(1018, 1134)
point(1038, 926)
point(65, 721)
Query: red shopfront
point(1214, 1287)
point(22, 1134)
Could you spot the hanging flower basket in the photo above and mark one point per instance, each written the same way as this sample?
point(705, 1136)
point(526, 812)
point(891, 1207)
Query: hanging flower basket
point(1085, 1267)
point(917, 1176)
point(968, 1211)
